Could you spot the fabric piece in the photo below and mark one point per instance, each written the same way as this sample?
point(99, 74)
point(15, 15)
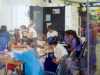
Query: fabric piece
point(31, 62)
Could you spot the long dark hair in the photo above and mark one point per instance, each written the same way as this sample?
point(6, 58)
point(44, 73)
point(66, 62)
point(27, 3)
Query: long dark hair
point(74, 34)
point(78, 41)
point(3, 28)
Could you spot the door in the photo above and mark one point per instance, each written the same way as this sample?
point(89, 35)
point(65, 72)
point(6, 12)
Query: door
point(56, 17)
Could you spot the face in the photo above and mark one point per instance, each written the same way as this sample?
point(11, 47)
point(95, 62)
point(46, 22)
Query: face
point(70, 37)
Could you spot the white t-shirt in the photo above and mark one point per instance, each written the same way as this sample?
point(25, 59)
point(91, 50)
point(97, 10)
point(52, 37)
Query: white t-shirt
point(52, 34)
point(60, 51)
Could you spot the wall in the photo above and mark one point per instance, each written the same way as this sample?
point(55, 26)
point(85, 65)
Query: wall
point(71, 18)
point(44, 3)
point(14, 13)
point(5, 14)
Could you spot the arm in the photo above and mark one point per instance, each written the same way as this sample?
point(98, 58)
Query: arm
point(73, 47)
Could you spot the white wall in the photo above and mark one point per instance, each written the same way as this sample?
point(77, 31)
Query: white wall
point(71, 18)
point(14, 13)
point(5, 13)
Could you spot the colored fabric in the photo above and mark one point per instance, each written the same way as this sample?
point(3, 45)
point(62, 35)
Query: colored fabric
point(31, 62)
point(4, 39)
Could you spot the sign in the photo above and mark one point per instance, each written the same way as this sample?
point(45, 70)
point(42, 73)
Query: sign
point(56, 11)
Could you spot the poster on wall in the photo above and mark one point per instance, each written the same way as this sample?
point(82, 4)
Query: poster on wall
point(48, 17)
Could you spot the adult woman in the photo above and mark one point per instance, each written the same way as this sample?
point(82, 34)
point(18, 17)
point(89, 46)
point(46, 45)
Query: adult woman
point(75, 43)
point(4, 38)
point(74, 52)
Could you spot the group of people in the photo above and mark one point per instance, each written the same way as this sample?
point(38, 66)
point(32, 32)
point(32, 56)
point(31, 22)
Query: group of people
point(72, 48)
point(23, 39)
point(24, 33)
point(26, 38)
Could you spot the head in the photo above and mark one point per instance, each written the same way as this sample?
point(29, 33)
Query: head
point(23, 27)
point(73, 35)
point(3, 28)
point(53, 42)
point(69, 34)
point(49, 28)
point(17, 30)
point(30, 43)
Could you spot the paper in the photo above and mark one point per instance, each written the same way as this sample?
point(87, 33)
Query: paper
point(48, 17)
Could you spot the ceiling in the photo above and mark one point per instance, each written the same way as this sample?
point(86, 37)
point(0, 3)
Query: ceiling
point(83, 0)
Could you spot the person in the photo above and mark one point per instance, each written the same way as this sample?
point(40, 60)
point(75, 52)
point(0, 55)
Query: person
point(75, 43)
point(17, 35)
point(75, 49)
point(66, 40)
point(51, 33)
point(23, 33)
point(4, 38)
point(29, 54)
point(59, 49)
point(32, 34)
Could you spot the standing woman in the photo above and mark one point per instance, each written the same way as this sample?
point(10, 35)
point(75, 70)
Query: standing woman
point(4, 38)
